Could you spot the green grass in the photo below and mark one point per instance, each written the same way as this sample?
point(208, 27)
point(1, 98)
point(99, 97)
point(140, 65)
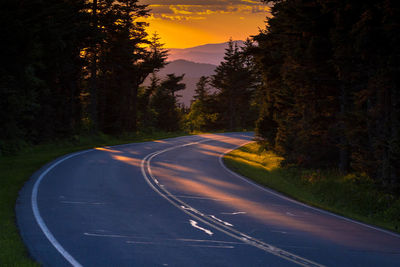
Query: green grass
point(353, 196)
point(16, 170)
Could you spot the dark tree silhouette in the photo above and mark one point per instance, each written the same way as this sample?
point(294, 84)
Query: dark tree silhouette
point(330, 85)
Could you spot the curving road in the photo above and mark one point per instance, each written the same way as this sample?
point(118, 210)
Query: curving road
point(173, 203)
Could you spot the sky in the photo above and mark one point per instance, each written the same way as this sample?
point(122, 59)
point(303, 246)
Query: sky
point(188, 23)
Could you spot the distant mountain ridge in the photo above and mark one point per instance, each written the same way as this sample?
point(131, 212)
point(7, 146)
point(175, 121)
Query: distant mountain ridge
point(194, 62)
point(192, 70)
point(208, 53)
point(189, 68)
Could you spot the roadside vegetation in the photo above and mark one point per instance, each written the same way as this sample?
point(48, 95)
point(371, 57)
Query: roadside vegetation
point(354, 196)
point(15, 170)
point(319, 86)
point(330, 97)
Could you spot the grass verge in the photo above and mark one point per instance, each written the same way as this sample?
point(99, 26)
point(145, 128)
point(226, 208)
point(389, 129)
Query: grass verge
point(16, 170)
point(353, 196)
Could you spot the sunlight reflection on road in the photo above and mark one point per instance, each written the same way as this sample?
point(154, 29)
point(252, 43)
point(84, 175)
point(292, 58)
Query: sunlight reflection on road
point(191, 179)
point(188, 173)
point(129, 160)
point(106, 149)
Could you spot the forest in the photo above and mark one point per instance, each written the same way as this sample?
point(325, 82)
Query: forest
point(330, 93)
point(319, 84)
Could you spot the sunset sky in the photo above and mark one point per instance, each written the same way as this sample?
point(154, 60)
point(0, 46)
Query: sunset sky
point(186, 23)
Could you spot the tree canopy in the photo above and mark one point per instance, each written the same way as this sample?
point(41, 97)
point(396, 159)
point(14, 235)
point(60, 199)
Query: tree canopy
point(321, 80)
point(72, 66)
point(330, 85)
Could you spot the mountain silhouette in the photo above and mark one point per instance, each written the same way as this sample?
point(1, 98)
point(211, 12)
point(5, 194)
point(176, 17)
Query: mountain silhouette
point(194, 62)
point(192, 70)
point(209, 53)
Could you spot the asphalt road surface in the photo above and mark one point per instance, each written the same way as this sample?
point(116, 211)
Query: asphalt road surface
point(173, 203)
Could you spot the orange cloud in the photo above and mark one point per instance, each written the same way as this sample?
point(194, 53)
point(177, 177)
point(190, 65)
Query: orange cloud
point(182, 24)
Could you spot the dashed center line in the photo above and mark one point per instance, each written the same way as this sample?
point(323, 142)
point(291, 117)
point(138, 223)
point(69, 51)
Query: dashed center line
point(208, 220)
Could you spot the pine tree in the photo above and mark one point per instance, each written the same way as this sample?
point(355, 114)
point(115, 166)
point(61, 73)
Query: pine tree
point(124, 63)
point(164, 102)
point(147, 117)
point(330, 89)
point(203, 113)
point(234, 80)
point(202, 89)
point(41, 68)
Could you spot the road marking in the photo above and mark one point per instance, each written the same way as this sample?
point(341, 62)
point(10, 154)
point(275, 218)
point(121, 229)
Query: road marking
point(144, 242)
point(292, 200)
point(221, 221)
point(192, 209)
point(153, 240)
point(246, 236)
point(38, 217)
point(73, 262)
point(82, 202)
point(166, 244)
point(35, 209)
point(195, 225)
point(36, 213)
point(205, 246)
point(281, 232)
point(174, 200)
point(105, 235)
point(208, 241)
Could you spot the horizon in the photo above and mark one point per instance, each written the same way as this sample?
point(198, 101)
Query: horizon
point(220, 43)
point(208, 53)
point(185, 24)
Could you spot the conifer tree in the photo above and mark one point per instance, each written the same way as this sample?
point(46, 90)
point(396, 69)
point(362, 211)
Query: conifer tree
point(235, 83)
point(164, 102)
point(204, 112)
point(70, 66)
point(330, 93)
point(124, 63)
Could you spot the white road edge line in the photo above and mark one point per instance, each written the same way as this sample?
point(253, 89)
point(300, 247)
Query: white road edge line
point(36, 213)
point(295, 201)
point(35, 209)
point(39, 218)
point(75, 263)
point(216, 225)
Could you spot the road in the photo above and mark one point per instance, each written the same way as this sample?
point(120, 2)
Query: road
point(173, 203)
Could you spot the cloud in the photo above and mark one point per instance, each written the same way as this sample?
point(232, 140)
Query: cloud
point(192, 10)
point(196, 2)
